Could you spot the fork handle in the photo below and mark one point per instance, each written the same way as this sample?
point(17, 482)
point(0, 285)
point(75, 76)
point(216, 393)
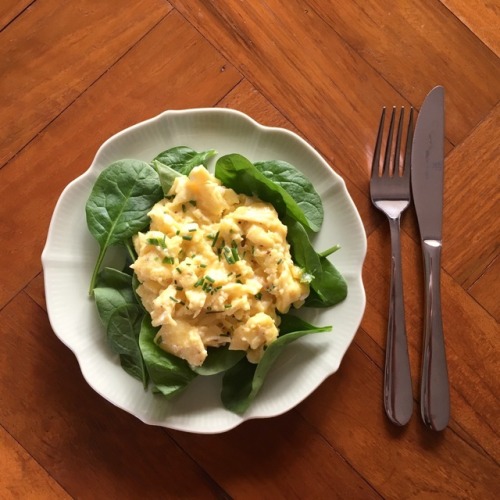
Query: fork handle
point(398, 395)
point(434, 388)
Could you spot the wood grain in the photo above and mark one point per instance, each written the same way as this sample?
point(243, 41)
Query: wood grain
point(304, 82)
point(318, 81)
point(482, 18)
point(471, 338)
point(75, 73)
point(413, 31)
point(86, 444)
point(257, 446)
point(46, 66)
point(22, 476)
point(126, 95)
point(35, 289)
point(471, 229)
point(485, 290)
point(9, 9)
point(354, 424)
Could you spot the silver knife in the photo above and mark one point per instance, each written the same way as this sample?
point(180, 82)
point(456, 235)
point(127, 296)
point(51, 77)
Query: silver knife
point(427, 188)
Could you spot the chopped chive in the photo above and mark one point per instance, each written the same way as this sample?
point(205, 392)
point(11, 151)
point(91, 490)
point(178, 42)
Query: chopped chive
point(178, 270)
point(203, 265)
point(199, 282)
point(228, 306)
point(157, 242)
point(208, 278)
point(177, 232)
point(280, 261)
point(239, 281)
point(215, 238)
point(182, 303)
point(179, 288)
point(183, 207)
point(193, 202)
point(173, 298)
point(187, 237)
point(229, 259)
point(192, 230)
point(230, 274)
point(168, 260)
point(238, 275)
point(258, 296)
point(234, 251)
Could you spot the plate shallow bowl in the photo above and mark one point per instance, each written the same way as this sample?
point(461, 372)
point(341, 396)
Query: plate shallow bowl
point(70, 252)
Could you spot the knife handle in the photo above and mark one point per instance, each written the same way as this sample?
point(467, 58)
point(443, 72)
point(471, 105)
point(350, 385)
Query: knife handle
point(398, 394)
point(434, 388)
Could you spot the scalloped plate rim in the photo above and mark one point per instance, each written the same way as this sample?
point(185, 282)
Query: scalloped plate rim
point(95, 168)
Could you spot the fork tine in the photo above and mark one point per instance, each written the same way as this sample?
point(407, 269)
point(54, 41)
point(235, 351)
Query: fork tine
point(397, 150)
point(388, 146)
point(376, 153)
point(409, 144)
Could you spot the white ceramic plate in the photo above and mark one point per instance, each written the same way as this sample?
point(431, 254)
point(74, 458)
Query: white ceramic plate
point(70, 254)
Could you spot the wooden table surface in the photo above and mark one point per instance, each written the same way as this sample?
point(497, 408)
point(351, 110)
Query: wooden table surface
point(74, 73)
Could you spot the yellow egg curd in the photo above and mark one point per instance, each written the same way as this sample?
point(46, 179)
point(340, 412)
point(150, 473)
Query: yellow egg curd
point(215, 268)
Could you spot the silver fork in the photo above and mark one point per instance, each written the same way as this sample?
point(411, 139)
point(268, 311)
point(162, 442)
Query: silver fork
point(390, 193)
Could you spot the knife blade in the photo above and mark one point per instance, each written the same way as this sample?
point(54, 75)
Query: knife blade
point(427, 188)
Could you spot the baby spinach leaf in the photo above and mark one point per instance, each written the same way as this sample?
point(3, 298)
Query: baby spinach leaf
point(238, 389)
point(303, 253)
point(298, 186)
point(291, 323)
point(169, 374)
point(113, 278)
point(119, 203)
point(166, 174)
point(184, 159)
point(218, 360)
point(242, 382)
point(123, 330)
point(328, 286)
point(238, 173)
point(132, 257)
point(113, 290)
point(178, 161)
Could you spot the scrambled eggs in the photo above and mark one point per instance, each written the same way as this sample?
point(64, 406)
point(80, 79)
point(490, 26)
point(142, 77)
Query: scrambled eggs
point(214, 268)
